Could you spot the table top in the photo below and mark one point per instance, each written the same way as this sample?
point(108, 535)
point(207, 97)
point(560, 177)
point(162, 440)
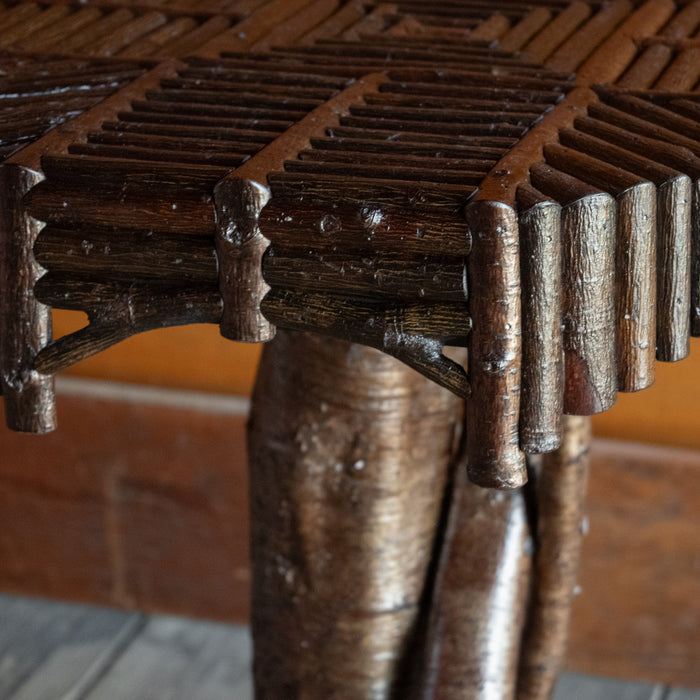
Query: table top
point(521, 180)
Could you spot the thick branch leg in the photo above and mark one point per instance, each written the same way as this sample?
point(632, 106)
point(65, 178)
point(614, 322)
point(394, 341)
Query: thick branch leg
point(479, 598)
point(560, 496)
point(349, 453)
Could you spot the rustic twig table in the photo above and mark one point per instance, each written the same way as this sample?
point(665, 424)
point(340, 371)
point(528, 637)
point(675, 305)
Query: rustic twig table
point(503, 198)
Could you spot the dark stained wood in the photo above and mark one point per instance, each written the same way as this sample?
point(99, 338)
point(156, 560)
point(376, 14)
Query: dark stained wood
point(588, 244)
point(588, 239)
point(541, 404)
point(128, 256)
point(394, 276)
point(637, 125)
point(596, 172)
point(240, 198)
point(683, 73)
point(390, 171)
point(56, 142)
point(346, 476)
point(25, 324)
point(402, 230)
point(414, 333)
point(479, 598)
point(428, 83)
point(673, 246)
point(673, 269)
point(240, 246)
point(84, 40)
point(513, 169)
point(635, 245)
point(635, 287)
point(117, 40)
point(492, 28)
point(655, 114)
point(153, 41)
point(117, 311)
point(242, 35)
point(303, 21)
point(560, 186)
point(494, 457)
point(650, 147)
point(350, 13)
point(560, 493)
point(570, 55)
point(51, 34)
point(192, 41)
point(186, 217)
point(119, 175)
point(35, 23)
point(603, 48)
point(424, 196)
point(526, 29)
point(620, 49)
point(557, 31)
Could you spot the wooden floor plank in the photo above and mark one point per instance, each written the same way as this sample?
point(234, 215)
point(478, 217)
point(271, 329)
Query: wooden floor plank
point(76, 667)
point(47, 647)
point(683, 694)
point(181, 659)
point(574, 686)
point(60, 651)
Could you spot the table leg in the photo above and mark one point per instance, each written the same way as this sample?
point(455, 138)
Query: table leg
point(349, 456)
point(560, 497)
point(480, 597)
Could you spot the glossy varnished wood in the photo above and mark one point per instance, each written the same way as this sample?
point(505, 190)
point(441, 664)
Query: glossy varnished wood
point(493, 411)
point(559, 492)
point(542, 372)
point(414, 333)
point(588, 239)
point(673, 270)
point(25, 324)
point(635, 287)
point(336, 488)
point(479, 597)
point(348, 297)
point(240, 199)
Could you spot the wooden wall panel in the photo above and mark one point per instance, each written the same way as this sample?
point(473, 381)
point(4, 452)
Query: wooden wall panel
point(668, 413)
point(128, 504)
point(638, 615)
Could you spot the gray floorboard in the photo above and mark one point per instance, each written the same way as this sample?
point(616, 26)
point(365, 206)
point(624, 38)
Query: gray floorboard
point(573, 686)
point(683, 694)
point(176, 659)
point(60, 651)
point(47, 647)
